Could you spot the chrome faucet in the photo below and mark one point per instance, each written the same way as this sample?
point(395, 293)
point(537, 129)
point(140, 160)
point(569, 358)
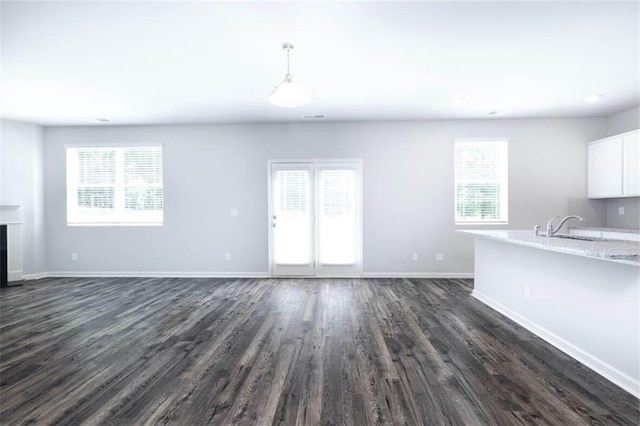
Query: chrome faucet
point(551, 232)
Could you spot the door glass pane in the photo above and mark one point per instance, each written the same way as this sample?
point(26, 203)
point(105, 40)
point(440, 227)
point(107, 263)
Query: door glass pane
point(337, 217)
point(292, 210)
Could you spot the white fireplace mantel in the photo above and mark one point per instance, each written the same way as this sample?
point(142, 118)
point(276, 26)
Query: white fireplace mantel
point(11, 215)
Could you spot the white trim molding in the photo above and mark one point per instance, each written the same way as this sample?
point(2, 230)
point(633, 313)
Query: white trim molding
point(217, 274)
point(37, 276)
point(450, 275)
point(156, 274)
point(15, 276)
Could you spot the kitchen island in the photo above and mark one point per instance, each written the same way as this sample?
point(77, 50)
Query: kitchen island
point(581, 296)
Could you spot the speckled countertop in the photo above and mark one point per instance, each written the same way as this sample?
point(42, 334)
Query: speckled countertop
point(595, 228)
point(627, 252)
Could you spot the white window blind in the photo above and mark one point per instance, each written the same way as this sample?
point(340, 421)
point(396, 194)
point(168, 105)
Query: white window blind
point(292, 211)
point(292, 185)
point(481, 181)
point(114, 185)
point(337, 217)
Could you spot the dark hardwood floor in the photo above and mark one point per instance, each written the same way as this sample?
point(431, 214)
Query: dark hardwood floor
point(123, 351)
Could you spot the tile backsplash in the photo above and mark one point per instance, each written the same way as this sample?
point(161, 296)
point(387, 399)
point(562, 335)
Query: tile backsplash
point(631, 216)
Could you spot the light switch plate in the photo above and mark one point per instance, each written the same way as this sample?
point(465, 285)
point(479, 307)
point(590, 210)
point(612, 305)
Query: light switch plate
point(235, 212)
point(621, 211)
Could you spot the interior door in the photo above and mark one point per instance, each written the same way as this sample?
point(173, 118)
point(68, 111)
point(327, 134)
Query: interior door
point(315, 218)
point(292, 219)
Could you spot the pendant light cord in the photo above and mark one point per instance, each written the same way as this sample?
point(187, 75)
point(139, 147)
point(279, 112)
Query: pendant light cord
point(287, 93)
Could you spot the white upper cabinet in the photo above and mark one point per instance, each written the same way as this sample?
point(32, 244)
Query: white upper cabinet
point(613, 166)
point(631, 164)
point(604, 168)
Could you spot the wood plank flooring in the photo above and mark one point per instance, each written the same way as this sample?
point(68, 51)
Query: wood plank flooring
point(124, 351)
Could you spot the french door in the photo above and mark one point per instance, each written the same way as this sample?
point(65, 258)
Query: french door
point(315, 218)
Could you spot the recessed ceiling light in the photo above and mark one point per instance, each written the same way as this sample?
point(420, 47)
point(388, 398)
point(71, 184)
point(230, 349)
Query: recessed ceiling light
point(314, 117)
point(103, 120)
point(495, 112)
point(592, 99)
point(460, 101)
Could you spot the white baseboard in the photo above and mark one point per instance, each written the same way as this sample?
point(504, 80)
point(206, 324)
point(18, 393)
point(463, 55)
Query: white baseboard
point(212, 274)
point(614, 375)
point(452, 275)
point(37, 276)
point(157, 274)
point(14, 276)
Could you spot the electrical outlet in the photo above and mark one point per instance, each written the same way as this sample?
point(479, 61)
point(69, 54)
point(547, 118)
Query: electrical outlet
point(227, 256)
point(415, 256)
point(235, 212)
point(621, 211)
point(527, 292)
point(439, 257)
point(74, 256)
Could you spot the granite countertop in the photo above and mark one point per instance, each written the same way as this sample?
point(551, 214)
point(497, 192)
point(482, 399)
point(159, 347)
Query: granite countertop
point(604, 229)
point(627, 252)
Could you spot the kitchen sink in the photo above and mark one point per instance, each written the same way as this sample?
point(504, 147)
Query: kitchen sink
point(576, 237)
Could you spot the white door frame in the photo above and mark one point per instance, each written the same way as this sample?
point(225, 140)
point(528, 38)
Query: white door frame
point(326, 271)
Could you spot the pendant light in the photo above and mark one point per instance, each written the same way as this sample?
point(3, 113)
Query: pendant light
point(289, 94)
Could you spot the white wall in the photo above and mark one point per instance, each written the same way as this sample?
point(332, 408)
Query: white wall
point(623, 121)
point(407, 191)
point(22, 183)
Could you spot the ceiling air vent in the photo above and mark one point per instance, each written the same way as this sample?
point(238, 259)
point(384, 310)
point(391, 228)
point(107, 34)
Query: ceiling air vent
point(314, 117)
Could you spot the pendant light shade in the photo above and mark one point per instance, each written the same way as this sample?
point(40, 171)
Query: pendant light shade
point(289, 94)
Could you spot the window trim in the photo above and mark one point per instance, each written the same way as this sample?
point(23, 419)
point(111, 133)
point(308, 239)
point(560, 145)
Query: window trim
point(102, 145)
point(504, 201)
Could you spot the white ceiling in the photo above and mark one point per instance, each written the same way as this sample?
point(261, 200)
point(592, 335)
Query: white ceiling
point(217, 62)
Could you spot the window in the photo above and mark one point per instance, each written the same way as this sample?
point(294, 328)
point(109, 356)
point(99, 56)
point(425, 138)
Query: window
point(481, 181)
point(114, 185)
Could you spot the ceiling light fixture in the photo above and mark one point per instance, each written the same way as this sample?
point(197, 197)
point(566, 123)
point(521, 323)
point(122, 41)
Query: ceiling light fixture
point(289, 94)
point(460, 101)
point(592, 99)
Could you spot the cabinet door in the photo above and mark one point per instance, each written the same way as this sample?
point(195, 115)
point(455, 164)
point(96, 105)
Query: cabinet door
point(604, 168)
point(631, 164)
